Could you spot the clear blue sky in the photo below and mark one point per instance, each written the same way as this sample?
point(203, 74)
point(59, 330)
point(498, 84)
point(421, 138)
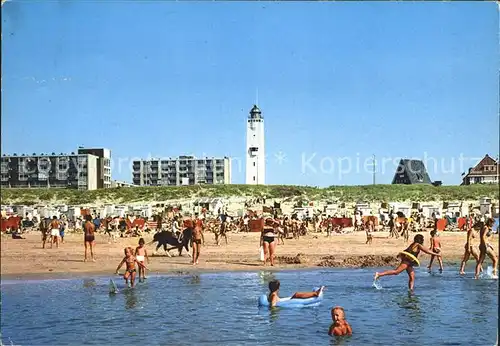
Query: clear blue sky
point(338, 80)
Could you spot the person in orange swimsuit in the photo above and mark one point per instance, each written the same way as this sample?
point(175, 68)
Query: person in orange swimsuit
point(340, 326)
point(197, 238)
point(130, 261)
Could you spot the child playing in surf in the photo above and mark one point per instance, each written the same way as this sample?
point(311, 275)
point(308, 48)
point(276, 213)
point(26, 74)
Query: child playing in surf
point(130, 261)
point(435, 247)
point(340, 326)
point(140, 254)
point(274, 287)
point(409, 259)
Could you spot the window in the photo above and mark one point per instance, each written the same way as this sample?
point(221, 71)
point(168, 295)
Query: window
point(254, 164)
point(254, 178)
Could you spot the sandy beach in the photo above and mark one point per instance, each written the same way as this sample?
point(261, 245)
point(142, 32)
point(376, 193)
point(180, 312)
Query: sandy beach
point(24, 258)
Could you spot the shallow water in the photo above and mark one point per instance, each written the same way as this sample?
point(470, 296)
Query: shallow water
point(222, 309)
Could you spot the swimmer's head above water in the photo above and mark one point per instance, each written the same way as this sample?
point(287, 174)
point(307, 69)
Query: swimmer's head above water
point(274, 286)
point(338, 313)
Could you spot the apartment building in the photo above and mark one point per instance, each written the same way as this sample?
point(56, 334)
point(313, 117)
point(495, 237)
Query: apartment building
point(76, 171)
point(184, 170)
point(103, 165)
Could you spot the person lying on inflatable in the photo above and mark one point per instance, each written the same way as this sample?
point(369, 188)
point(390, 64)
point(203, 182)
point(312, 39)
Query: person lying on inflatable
point(274, 287)
point(409, 259)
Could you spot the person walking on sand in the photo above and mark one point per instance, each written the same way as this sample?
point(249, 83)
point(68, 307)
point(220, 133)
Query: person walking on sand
point(89, 237)
point(54, 232)
point(485, 248)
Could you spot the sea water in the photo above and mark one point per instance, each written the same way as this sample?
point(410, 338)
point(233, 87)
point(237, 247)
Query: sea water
point(221, 309)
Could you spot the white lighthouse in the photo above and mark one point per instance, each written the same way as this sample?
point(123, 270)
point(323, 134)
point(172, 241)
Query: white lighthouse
point(256, 159)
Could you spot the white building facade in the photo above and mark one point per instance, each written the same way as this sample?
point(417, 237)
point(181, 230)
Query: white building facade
point(255, 149)
point(184, 170)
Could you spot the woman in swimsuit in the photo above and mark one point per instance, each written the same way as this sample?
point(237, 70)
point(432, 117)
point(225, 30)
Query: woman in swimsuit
point(485, 248)
point(267, 240)
point(130, 261)
point(409, 261)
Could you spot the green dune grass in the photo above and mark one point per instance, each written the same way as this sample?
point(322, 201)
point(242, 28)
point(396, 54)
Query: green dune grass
point(367, 193)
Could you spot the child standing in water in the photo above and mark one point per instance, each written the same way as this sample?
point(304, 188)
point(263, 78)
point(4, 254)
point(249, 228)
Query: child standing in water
point(435, 247)
point(274, 287)
point(340, 326)
point(130, 261)
point(141, 253)
point(409, 259)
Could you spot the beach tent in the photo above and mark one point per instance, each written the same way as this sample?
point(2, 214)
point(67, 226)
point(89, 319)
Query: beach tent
point(441, 224)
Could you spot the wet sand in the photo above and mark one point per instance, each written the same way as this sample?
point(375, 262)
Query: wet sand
point(25, 259)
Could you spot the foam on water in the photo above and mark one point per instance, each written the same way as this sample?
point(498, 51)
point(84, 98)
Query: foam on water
point(377, 284)
point(488, 274)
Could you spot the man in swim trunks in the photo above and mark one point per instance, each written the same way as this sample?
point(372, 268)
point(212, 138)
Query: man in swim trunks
point(485, 248)
point(470, 247)
point(435, 247)
point(89, 237)
point(197, 239)
point(141, 253)
point(130, 261)
point(274, 287)
point(54, 232)
point(409, 259)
